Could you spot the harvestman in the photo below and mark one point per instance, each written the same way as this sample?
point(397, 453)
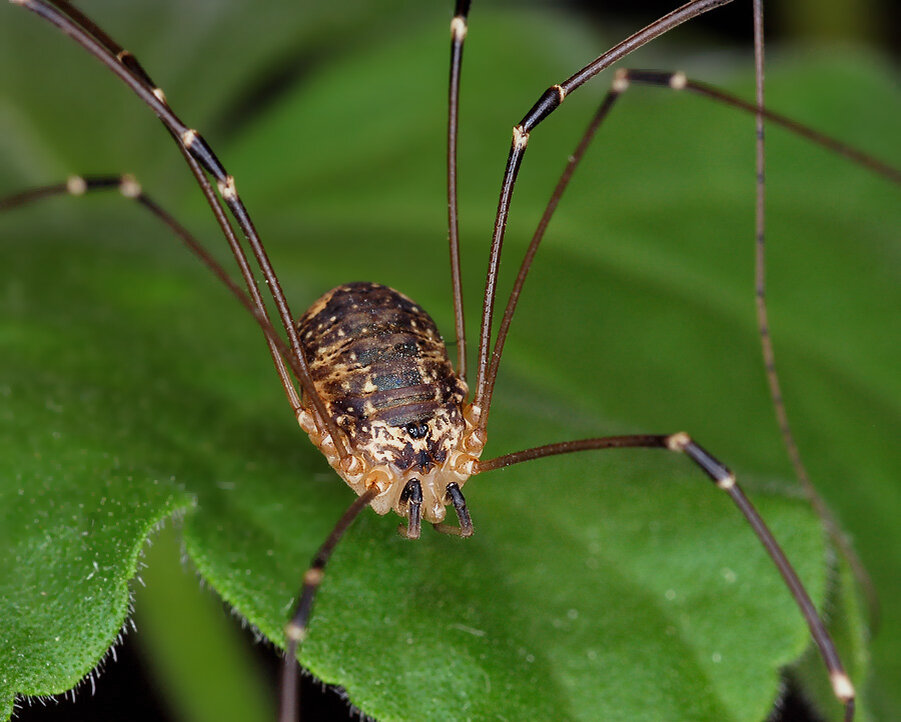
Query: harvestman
point(378, 394)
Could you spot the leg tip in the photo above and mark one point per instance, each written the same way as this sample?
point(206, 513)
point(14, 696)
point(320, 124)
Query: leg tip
point(407, 533)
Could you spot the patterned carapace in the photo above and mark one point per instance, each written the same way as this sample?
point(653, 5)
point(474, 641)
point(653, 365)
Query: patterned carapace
point(382, 371)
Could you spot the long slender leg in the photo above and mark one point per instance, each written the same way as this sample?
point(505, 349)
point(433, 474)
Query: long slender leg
point(296, 629)
point(841, 684)
point(54, 11)
point(549, 101)
point(129, 187)
point(624, 79)
point(678, 81)
point(571, 165)
point(458, 35)
point(725, 480)
point(75, 186)
point(130, 62)
point(763, 326)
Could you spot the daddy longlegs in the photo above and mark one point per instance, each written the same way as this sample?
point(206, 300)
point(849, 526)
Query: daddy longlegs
point(405, 497)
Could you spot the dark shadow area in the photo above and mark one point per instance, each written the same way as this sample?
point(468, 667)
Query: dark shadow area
point(125, 690)
point(794, 707)
point(871, 22)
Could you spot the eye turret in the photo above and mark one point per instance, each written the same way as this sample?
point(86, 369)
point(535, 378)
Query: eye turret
point(417, 429)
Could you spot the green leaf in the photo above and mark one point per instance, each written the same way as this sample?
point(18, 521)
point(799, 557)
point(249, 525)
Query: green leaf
point(599, 586)
point(196, 654)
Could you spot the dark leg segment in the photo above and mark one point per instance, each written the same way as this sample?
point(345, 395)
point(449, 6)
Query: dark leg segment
point(724, 479)
point(296, 629)
point(74, 186)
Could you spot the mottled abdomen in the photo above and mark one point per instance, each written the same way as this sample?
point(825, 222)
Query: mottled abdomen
point(382, 371)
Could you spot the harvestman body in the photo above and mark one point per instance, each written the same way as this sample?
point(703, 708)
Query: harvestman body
point(382, 369)
point(380, 397)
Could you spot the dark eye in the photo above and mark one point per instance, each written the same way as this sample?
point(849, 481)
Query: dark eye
point(417, 429)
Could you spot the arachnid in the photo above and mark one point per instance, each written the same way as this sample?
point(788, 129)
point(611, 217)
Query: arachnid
point(247, 471)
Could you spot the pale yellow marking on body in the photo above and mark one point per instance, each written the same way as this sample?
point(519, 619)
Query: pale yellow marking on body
point(227, 188)
point(305, 421)
point(842, 686)
point(471, 414)
point(465, 465)
point(122, 54)
point(188, 137)
point(378, 478)
point(160, 95)
point(76, 185)
point(458, 28)
point(520, 137)
point(621, 80)
point(352, 465)
point(129, 186)
point(678, 81)
point(561, 93)
point(20, 2)
point(475, 441)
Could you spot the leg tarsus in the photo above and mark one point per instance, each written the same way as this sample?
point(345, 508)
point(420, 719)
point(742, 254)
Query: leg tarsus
point(450, 530)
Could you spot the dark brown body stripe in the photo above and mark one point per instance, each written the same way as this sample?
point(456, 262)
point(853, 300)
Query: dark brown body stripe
point(378, 360)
